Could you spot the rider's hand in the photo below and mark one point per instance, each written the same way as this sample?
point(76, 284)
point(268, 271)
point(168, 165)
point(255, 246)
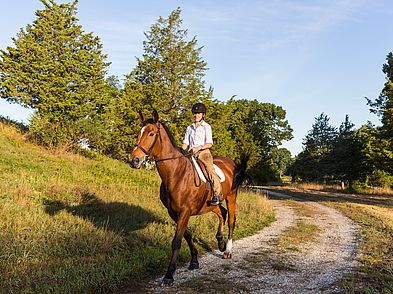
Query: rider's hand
point(196, 149)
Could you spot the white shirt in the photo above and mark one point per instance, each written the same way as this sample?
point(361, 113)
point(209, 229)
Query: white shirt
point(199, 136)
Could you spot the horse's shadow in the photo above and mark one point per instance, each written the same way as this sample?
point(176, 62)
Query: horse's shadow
point(114, 216)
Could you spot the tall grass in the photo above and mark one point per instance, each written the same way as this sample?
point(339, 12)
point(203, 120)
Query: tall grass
point(340, 189)
point(69, 224)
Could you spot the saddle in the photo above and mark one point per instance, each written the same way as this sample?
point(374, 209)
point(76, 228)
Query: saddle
point(201, 174)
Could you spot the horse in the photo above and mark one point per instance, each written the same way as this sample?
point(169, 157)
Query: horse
point(181, 193)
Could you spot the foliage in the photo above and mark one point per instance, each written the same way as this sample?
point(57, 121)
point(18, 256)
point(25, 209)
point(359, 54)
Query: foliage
point(383, 106)
point(314, 163)
point(351, 156)
point(258, 129)
point(346, 156)
point(169, 76)
point(57, 69)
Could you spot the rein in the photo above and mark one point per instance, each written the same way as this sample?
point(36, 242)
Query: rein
point(170, 158)
point(192, 164)
point(148, 152)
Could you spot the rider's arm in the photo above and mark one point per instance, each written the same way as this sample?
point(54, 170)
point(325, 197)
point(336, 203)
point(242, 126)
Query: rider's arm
point(206, 146)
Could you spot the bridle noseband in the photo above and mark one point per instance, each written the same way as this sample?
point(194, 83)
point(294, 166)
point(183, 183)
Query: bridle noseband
point(148, 152)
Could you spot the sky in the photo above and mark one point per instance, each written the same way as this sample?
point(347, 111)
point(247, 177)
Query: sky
point(306, 56)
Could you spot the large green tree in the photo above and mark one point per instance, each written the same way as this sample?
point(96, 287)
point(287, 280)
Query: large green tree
point(383, 106)
point(57, 69)
point(314, 162)
point(346, 156)
point(169, 76)
point(257, 129)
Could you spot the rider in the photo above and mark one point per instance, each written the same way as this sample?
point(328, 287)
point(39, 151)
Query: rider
point(198, 139)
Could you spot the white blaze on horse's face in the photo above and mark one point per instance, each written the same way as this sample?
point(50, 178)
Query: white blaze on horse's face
point(146, 140)
point(142, 130)
point(139, 137)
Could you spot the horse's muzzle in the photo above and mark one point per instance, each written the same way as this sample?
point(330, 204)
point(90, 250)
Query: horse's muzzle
point(135, 161)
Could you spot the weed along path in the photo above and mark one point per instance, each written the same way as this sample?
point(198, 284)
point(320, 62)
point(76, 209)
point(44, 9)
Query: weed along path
point(308, 249)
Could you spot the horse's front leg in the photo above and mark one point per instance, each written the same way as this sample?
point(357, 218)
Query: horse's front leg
point(194, 264)
point(176, 244)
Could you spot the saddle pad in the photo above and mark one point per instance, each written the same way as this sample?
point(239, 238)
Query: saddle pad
point(218, 171)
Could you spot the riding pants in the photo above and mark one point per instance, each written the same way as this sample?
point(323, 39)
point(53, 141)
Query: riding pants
point(206, 157)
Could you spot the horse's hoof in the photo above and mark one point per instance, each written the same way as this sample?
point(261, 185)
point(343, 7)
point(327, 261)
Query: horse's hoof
point(193, 265)
point(222, 246)
point(167, 282)
point(227, 255)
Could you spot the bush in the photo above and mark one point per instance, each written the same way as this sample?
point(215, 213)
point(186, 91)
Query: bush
point(380, 178)
point(51, 134)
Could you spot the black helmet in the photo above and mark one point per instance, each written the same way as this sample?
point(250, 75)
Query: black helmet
point(199, 107)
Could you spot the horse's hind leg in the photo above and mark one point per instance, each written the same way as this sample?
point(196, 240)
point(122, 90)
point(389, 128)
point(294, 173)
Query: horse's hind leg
point(221, 213)
point(231, 204)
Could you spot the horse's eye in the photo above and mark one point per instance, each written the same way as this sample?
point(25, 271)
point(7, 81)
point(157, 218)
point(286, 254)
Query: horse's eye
point(151, 134)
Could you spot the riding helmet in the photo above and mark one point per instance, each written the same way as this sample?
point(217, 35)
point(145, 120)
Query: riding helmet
point(198, 108)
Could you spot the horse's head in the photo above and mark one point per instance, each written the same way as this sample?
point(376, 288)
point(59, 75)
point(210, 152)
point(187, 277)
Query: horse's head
point(146, 141)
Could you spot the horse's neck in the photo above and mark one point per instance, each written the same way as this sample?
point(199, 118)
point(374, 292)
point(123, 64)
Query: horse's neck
point(169, 159)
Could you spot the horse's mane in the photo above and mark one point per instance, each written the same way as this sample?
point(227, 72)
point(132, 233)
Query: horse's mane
point(167, 130)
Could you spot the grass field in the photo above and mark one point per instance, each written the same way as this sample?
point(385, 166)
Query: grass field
point(70, 224)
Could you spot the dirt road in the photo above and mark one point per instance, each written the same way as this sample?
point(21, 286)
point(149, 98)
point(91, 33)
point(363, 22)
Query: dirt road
point(260, 266)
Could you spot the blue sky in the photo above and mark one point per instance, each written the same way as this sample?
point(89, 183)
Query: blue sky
point(307, 56)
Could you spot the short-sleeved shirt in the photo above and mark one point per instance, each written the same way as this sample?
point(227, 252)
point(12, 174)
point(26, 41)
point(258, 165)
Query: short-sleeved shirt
point(199, 136)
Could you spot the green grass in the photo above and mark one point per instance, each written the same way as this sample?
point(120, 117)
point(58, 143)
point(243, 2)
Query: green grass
point(69, 224)
point(301, 233)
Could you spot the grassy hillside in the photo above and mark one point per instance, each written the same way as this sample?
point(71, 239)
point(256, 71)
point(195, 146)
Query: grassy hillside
point(73, 224)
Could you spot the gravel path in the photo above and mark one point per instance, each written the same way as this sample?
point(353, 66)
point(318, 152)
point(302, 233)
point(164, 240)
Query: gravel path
point(259, 266)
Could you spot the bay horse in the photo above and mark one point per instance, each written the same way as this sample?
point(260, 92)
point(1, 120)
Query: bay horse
point(180, 193)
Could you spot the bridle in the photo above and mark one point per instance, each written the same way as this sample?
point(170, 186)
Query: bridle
point(148, 152)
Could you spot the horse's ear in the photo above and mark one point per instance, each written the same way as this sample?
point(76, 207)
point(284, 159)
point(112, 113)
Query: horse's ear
point(142, 116)
point(155, 116)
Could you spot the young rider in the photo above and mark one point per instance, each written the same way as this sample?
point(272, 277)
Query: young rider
point(198, 139)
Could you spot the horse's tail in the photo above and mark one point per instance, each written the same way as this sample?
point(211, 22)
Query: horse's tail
point(240, 174)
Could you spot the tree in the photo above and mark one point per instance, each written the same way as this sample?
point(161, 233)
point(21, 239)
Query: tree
point(383, 106)
point(169, 76)
point(56, 69)
point(346, 154)
point(314, 162)
point(258, 129)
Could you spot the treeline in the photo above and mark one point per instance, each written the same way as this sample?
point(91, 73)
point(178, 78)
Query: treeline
point(356, 157)
point(58, 70)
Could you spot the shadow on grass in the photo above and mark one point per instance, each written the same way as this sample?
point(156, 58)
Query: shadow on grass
point(114, 216)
